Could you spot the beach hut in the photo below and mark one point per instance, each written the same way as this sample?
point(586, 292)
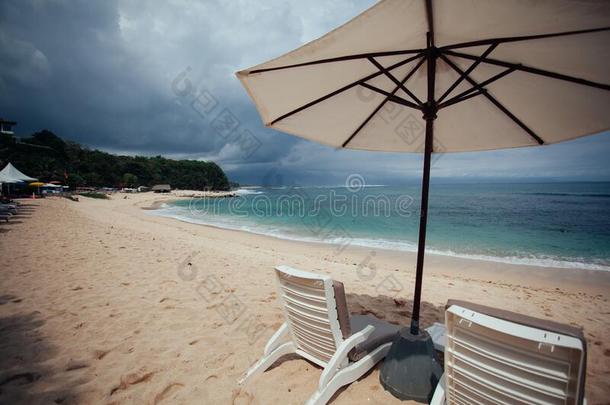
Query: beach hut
point(161, 188)
point(50, 188)
point(460, 76)
point(6, 127)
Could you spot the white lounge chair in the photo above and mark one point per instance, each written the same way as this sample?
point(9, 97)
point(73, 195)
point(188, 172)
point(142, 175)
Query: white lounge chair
point(7, 211)
point(494, 356)
point(8, 208)
point(319, 328)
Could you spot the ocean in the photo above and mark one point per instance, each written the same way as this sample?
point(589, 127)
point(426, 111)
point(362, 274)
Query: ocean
point(564, 225)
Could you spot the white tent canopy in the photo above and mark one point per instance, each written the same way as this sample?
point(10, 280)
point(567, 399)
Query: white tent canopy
point(10, 174)
point(534, 70)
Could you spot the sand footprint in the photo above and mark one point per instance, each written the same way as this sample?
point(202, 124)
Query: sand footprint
point(167, 391)
point(241, 396)
point(76, 365)
point(100, 354)
point(21, 379)
point(132, 379)
point(6, 298)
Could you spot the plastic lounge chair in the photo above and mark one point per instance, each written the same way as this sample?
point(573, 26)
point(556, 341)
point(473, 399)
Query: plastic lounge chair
point(320, 329)
point(8, 208)
point(494, 356)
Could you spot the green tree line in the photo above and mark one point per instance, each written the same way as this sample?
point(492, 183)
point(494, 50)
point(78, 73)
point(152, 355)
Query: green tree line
point(47, 157)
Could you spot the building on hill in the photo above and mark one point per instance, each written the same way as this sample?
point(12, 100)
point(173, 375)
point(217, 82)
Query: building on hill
point(6, 127)
point(161, 188)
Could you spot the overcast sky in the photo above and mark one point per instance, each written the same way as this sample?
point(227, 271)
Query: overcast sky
point(113, 75)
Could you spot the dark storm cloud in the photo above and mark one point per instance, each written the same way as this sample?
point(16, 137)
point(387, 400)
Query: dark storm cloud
point(101, 74)
point(104, 73)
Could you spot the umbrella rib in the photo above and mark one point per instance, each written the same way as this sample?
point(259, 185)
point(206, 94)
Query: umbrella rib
point(495, 102)
point(342, 89)
point(376, 110)
point(467, 72)
point(464, 98)
point(340, 59)
point(522, 38)
point(395, 80)
point(473, 89)
point(391, 96)
point(532, 70)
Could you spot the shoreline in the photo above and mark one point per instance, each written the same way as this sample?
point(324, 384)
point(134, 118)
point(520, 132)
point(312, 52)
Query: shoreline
point(549, 263)
point(106, 303)
point(514, 273)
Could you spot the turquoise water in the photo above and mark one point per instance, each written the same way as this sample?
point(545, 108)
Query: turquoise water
point(551, 224)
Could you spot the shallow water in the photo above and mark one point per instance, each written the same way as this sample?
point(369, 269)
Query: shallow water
point(545, 224)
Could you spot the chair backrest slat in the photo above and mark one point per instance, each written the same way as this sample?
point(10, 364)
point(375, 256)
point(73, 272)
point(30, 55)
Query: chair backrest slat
point(308, 300)
point(491, 360)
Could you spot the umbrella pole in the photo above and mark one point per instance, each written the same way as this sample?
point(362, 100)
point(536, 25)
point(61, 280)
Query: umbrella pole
point(423, 221)
point(429, 110)
point(410, 369)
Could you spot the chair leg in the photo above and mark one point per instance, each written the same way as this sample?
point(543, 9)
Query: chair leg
point(348, 375)
point(266, 362)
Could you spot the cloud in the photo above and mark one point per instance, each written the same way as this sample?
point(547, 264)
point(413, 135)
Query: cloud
point(101, 73)
point(23, 62)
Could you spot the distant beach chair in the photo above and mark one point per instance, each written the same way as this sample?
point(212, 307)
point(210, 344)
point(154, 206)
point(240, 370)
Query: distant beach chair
point(7, 209)
point(320, 329)
point(494, 356)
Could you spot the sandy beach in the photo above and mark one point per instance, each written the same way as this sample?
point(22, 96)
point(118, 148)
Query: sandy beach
point(101, 302)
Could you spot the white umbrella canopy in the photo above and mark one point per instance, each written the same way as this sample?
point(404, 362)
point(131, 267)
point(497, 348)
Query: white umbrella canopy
point(442, 76)
point(544, 82)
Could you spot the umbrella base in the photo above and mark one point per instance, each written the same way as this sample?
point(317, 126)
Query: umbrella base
point(411, 370)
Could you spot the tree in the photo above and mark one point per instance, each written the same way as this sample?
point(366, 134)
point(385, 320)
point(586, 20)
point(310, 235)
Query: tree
point(75, 180)
point(130, 180)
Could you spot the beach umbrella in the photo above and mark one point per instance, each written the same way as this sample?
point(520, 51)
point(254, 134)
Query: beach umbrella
point(438, 76)
point(37, 184)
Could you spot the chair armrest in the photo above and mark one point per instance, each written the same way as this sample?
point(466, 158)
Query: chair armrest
point(277, 337)
point(341, 354)
point(438, 333)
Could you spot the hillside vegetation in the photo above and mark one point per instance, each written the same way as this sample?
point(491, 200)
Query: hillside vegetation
point(47, 157)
